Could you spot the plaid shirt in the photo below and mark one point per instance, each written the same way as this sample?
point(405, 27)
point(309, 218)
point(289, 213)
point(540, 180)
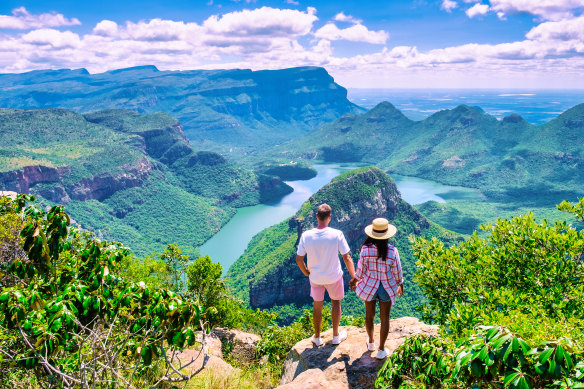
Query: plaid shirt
point(371, 270)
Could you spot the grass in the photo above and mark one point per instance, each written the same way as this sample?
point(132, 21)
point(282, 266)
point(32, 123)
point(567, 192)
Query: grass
point(257, 376)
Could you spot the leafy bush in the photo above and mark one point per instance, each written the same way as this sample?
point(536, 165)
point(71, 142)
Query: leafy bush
point(70, 321)
point(510, 306)
point(489, 357)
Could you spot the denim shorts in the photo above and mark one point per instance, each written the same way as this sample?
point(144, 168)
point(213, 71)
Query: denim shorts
point(381, 294)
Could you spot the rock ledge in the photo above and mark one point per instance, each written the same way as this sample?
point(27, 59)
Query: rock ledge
point(348, 365)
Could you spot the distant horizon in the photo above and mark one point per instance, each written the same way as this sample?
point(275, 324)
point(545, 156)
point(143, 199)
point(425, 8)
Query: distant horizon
point(528, 88)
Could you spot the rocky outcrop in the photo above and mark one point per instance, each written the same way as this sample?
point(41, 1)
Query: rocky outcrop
point(348, 365)
point(242, 344)
point(23, 179)
point(103, 185)
point(356, 199)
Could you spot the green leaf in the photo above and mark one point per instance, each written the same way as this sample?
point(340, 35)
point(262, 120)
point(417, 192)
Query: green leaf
point(510, 377)
point(559, 354)
point(146, 354)
point(522, 383)
point(544, 356)
point(56, 326)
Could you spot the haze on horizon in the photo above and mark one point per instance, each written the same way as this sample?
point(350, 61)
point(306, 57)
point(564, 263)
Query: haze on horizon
point(534, 44)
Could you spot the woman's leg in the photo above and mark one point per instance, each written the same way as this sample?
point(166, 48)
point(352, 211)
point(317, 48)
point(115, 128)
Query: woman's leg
point(369, 318)
point(384, 310)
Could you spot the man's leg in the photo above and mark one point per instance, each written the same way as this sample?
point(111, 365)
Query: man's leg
point(317, 317)
point(336, 316)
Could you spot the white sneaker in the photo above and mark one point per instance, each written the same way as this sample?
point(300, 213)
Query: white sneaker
point(370, 346)
point(317, 341)
point(338, 339)
point(382, 354)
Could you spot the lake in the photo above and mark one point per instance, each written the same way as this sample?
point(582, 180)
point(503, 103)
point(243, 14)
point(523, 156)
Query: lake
point(232, 240)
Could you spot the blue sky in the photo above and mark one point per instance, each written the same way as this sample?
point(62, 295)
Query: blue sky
point(405, 44)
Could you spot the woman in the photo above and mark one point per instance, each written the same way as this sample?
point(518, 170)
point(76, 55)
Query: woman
point(378, 278)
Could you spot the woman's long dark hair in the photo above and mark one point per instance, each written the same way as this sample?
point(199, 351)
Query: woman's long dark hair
point(381, 245)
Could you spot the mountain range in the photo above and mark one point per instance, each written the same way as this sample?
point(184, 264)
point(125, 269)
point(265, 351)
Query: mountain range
point(509, 160)
point(233, 111)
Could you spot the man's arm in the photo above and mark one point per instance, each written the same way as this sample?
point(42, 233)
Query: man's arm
point(349, 264)
point(302, 265)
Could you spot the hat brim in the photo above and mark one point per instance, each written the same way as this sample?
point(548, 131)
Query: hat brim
point(391, 231)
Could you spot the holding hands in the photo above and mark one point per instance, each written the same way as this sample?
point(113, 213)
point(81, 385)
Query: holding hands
point(353, 284)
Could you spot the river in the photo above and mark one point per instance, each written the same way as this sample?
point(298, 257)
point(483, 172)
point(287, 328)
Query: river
point(232, 240)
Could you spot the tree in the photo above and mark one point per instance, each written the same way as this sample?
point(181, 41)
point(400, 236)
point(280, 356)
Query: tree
point(70, 321)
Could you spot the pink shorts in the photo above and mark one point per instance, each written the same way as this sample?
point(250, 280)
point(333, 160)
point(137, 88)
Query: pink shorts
point(336, 290)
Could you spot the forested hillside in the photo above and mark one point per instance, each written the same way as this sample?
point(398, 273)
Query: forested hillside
point(129, 177)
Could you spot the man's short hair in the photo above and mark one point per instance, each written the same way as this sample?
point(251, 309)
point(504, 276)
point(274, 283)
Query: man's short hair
point(323, 211)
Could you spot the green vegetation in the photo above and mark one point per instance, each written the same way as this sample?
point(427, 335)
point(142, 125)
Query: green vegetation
point(509, 305)
point(127, 177)
point(66, 319)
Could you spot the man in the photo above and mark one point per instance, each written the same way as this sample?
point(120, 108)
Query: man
point(322, 245)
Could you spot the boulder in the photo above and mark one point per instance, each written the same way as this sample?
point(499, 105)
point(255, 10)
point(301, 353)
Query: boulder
point(314, 379)
point(243, 344)
point(348, 365)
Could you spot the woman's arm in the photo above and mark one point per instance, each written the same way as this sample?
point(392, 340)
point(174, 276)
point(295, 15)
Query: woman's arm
point(398, 275)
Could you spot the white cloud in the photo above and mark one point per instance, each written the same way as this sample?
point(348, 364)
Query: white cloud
point(546, 9)
point(355, 33)
point(263, 21)
point(269, 38)
point(564, 30)
point(106, 28)
point(53, 38)
point(477, 9)
point(21, 19)
point(448, 5)
point(341, 17)
point(293, 2)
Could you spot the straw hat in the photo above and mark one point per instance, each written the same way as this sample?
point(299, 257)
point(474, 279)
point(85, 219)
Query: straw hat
point(380, 229)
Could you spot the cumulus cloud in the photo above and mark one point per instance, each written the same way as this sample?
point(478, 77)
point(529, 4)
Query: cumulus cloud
point(21, 19)
point(546, 9)
point(564, 30)
point(477, 9)
point(355, 33)
point(448, 5)
point(106, 28)
point(341, 17)
point(270, 38)
point(263, 21)
point(53, 38)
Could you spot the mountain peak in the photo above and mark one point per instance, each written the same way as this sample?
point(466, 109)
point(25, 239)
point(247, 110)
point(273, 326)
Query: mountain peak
point(387, 110)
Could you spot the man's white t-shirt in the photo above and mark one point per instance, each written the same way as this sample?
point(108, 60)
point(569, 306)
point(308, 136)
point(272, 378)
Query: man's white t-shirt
point(323, 247)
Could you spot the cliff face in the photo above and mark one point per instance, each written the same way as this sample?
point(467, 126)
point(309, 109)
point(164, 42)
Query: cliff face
point(233, 111)
point(267, 272)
